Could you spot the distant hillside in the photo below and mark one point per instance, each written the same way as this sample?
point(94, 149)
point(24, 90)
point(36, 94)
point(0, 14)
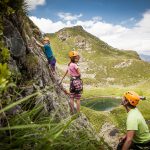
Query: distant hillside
point(145, 57)
point(100, 63)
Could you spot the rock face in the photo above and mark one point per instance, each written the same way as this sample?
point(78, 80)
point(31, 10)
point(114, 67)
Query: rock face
point(110, 134)
point(13, 39)
point(28, 60)
point(30, 67)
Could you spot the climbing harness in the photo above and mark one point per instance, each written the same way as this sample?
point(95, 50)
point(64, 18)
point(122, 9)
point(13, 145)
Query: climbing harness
point(76, 85)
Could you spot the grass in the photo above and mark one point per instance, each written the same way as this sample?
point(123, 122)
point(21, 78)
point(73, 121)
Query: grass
point(102, 91)
point(35, 129)
point(97, 118)
point(18, 102)
point(141, 88)
point(117, 116)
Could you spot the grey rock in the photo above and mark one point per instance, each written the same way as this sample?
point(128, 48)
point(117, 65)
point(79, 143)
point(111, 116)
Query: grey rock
point(15, 110)
point(28, 90)
point(63, 35)
point(13, 39)
point(110, 134)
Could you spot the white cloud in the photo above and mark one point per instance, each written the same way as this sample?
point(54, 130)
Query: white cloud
point(128, 21)
point(47, 25)
point(97, 18)
point(33, 3)
point(68, 16)
point(144, 23)
point(118, 36)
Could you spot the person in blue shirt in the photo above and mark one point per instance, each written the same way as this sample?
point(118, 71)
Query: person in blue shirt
point(48, 52)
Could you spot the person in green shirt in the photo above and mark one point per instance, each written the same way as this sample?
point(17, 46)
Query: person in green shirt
point(138, 135)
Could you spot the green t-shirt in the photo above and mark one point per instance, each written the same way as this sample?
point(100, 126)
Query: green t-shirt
point(135, 121)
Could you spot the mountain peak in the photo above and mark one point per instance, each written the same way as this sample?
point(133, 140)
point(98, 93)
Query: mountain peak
point(78, 27)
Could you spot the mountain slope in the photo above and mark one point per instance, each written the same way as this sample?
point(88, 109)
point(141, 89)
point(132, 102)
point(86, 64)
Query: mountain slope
point(100, 63)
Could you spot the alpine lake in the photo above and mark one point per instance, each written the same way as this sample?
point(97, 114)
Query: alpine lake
point(101, 103)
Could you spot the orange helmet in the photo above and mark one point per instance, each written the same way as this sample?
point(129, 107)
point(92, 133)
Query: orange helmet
point(132, 97)
point(46, 39)
point(73, 54)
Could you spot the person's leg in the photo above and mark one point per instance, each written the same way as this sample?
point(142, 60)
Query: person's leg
point(50, 66)
point(78, 105)
point(53, 68)
point(53, 63)
point(72, 103)
point(78, 96)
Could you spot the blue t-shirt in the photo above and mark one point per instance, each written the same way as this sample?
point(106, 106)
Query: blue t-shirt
point(48, 51)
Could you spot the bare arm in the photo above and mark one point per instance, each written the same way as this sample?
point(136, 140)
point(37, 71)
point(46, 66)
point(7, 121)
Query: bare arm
point(128, 141)
point(78, 71)
point(38, 43)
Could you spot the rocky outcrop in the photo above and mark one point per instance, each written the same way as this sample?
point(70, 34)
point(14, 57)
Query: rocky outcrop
point(124, 64)
point(62, 35)
point(29, 62)
point(30, 67)
point(13, 39)
point(82, 43)
point(110, 134)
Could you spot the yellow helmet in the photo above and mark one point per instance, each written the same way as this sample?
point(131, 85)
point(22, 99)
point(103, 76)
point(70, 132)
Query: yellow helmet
point(73, 54)
point(132, 97)
point(46, 39)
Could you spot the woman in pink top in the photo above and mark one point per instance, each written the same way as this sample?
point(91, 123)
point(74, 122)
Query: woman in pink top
point(76, 86)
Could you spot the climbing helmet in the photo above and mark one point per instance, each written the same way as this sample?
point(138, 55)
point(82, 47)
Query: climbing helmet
point(73, 54)
point(132, 97)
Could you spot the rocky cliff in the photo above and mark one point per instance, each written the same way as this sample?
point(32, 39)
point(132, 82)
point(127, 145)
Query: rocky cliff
point(30, 74)
point(29, 64)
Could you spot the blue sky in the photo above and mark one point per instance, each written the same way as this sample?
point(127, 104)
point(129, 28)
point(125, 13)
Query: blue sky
point(112, 11)
point(117, 22)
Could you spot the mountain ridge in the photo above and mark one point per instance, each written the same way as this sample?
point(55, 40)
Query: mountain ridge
point(100, 63)
point(79, 30)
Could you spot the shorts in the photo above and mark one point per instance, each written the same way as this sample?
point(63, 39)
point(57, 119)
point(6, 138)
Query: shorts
point(74, 95)
point(52, 62)
point(76, 85)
